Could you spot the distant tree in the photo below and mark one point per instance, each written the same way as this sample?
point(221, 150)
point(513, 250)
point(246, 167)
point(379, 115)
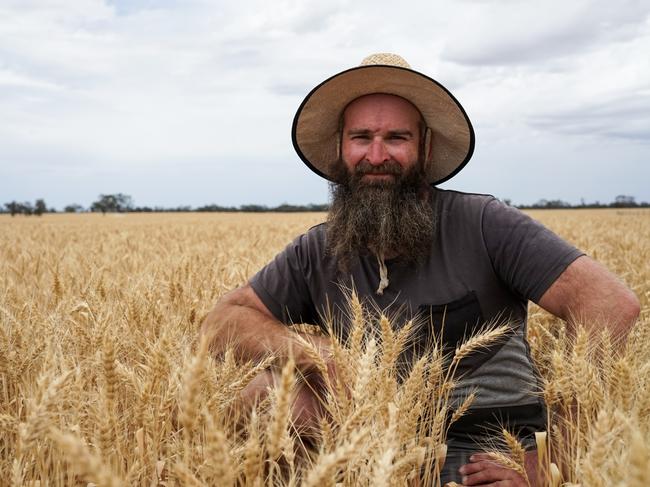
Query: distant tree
point(287, 208)
point(624, 201)
point(112, 203)
point(544, 203)
point(26, 208)
point(318, 207)
point(73, 208)
point(254, 208)
point(13, 207)
point(214, 207)
point(40, 207)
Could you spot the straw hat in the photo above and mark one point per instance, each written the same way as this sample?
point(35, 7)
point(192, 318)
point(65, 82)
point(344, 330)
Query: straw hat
point(315, 131)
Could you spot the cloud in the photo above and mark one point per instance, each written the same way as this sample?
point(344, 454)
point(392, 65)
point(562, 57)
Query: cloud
point(290, 89)
point(140, 85)
point(129, 7)
point(501, 32)
point(13, 80)
point(289, 17)
point(625, 117)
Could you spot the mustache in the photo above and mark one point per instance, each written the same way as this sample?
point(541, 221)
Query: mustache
point(388, 167)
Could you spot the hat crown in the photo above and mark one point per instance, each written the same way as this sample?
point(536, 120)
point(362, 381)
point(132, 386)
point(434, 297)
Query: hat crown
point(385, 58)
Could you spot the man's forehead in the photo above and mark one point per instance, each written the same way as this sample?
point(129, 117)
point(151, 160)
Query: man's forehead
point(382, 103)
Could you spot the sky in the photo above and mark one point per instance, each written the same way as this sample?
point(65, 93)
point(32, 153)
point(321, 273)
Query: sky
point(191, 102)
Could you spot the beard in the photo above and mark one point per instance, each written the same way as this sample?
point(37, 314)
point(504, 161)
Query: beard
point(391, 218)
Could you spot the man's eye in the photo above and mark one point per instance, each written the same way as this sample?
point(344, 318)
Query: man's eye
point(359, 137)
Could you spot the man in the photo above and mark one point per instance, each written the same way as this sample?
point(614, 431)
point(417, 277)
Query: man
point(385, 135)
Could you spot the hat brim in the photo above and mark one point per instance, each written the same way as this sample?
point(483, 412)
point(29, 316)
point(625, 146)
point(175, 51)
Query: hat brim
point(315, 126)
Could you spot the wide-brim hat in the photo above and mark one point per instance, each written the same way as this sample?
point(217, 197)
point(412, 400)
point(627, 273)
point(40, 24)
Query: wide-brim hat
point(316, 125)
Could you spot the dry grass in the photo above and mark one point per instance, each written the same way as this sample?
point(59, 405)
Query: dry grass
point(102, 379)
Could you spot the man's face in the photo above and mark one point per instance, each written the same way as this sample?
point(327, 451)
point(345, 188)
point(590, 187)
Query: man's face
point(381, 138)
point(381, 197)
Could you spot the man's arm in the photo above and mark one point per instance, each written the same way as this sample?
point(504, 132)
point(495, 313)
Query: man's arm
point(242, 321)
point(586, 292)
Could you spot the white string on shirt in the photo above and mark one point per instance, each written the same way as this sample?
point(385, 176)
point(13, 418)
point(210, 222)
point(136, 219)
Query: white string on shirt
point(383, 274)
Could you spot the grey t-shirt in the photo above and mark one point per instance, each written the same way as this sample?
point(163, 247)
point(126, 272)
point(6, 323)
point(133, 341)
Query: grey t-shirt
point(486, 261)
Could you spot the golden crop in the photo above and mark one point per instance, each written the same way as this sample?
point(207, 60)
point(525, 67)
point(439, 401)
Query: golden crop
point(102, 378)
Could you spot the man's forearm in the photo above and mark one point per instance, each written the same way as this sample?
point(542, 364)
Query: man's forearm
point(241, 321)
point(587, 293)
point(249, 333)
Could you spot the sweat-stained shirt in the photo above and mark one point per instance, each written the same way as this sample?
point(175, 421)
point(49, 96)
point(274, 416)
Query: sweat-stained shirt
point(486, 261)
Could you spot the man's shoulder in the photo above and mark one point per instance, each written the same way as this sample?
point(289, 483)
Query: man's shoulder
point(317, 232)
point(313, 238)
point(319, 228)
point(462, 196)
point(450, 200)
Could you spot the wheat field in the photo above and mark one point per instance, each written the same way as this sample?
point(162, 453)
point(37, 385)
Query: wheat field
point(103, 380)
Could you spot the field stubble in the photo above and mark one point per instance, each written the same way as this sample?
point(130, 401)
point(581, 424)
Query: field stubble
point(102, 378)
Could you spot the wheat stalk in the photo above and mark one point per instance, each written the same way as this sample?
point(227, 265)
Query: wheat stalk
point(88, 464)
point(281, 417)
point(117, 302)
point(507, 462)
point(327, 464)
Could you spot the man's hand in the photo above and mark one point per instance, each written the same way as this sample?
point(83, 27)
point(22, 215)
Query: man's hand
point(483, 470)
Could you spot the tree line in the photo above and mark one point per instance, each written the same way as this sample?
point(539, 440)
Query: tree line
point(621, 201)
point(123, 203)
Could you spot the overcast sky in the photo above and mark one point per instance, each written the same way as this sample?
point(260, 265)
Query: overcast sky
point(191, 102)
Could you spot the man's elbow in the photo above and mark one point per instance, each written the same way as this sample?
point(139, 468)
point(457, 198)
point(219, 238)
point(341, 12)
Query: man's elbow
point(209, 324)
point(628, 312)
point(213, 326)
point(224, 322)
point(632, 308)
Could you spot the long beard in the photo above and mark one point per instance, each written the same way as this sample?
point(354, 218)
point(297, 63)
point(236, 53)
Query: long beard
point(388, 218)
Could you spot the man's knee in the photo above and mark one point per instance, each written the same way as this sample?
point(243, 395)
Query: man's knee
point(306, 405)
point(258, 389)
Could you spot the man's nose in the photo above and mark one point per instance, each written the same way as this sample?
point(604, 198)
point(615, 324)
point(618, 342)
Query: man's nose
point(377, 152)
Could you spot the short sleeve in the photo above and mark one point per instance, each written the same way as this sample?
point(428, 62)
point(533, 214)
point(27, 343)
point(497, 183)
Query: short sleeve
point(282, 285)
point(526, 255)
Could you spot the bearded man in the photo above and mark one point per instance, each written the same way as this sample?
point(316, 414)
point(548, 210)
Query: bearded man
point(385, 136)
